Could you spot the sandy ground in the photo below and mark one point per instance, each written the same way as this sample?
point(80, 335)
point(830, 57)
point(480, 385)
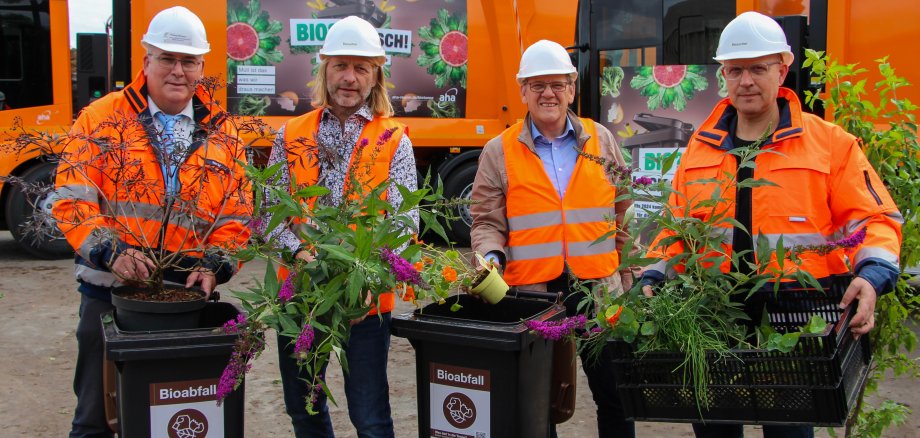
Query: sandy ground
point(37, 326)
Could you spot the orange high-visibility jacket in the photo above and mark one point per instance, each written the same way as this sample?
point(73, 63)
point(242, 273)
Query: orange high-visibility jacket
point(545, 232)
point(371, 167)
point(110, 178)
point(826, 190)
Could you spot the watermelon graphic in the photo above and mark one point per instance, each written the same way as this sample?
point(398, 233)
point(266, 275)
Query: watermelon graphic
point(252, 37)
point(444, 49)
point(668, 86)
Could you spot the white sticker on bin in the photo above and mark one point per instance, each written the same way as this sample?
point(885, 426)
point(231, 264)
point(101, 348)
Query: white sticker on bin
point(186, 409)
point(460, 401)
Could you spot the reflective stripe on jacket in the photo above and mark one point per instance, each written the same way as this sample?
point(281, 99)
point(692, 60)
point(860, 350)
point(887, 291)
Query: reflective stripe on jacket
point(825, 190)
point(110, 178)
point(370, 162)
point(544, 232)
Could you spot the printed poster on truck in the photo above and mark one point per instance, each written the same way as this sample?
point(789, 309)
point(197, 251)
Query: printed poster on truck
point(460, 401)
point(273, 53)
point(653, 111)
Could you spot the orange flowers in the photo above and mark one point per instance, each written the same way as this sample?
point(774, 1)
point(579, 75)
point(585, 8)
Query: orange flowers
point(613, 314)
point(449, 274)
point(409, 294)
point(419, 266)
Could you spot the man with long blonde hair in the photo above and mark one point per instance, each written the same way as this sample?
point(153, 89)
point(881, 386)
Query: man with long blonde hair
point(349, 137)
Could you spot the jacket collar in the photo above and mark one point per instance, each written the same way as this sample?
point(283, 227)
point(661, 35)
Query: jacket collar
point(206, 112)
point(719, 128)
point(526, 137)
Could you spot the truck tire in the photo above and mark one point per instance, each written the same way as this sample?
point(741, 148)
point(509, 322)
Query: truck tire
point(20, 211)
point(459, 184)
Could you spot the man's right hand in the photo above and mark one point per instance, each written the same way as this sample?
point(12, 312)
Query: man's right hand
point(132, 266)
point(305, 255)
point(647, 291)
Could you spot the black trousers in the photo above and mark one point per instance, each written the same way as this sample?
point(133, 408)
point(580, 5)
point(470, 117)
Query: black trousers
point(89, 416)
point(611, 420)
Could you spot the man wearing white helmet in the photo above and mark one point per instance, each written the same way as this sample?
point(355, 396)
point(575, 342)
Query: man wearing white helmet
point(826, 188)
point(353, 110)
point(171, 125)
point(540, 201)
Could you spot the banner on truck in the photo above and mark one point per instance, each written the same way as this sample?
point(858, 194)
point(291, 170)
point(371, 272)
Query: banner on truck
point(653, 112)
point(273, 48)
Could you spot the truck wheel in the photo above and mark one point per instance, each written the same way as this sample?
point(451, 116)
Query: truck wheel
point(22, 208)
point(459, 184)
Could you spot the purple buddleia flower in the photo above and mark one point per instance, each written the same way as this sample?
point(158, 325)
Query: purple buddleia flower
point(286, 292)
point(304, 341)
point(247, 346)
point(849, 242)
point(233, 373)
point(642, 181)
point(385, 137)
point(852, 241)
point(556, 330)
point(233, 326)
point(256, 224)
point(402, 269)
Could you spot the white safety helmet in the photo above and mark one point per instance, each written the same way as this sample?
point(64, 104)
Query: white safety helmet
point(352, 36)
point(752, 35)
point(544, 57)
point(177, 30)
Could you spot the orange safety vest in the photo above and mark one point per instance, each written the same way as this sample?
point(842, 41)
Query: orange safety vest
point(545, 232)
point(825, 190)
point(371, 168)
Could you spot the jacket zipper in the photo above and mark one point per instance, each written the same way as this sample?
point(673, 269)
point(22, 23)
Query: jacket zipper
point(871, 189)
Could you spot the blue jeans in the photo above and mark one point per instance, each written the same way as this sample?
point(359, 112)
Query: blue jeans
point(89, 415)
point(366, 389)
point(737, 431)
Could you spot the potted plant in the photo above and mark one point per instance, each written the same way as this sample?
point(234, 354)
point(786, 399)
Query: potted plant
point(118, 203)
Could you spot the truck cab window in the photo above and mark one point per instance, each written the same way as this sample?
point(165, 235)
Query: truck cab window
point(691, 29)
point(25, 48)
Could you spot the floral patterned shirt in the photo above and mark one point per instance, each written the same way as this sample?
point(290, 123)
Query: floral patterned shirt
point(333, 172)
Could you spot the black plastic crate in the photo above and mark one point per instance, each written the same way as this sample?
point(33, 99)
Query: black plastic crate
point(815, 384)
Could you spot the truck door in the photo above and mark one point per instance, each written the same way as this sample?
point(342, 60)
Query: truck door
point(27, 100)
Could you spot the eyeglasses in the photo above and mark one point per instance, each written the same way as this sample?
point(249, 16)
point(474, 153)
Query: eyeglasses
point(539, 87)
point(759, 70)
point(168, 62)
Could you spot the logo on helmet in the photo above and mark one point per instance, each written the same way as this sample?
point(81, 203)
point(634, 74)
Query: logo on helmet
point(176, 37)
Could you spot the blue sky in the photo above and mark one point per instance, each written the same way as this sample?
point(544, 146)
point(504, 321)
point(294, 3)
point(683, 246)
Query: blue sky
point(88, 16)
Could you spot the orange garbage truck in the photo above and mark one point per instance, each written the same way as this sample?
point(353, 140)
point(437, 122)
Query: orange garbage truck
point(451, 65)
point(645, 70)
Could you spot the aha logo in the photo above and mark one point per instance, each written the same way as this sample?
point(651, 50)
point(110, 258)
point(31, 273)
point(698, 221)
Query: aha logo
point(459, 410)
point(449, 97)
point(188, 423)
point(43, 117)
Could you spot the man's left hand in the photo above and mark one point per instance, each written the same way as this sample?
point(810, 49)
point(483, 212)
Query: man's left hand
point(368, 300)
point(205, 279)
point(864, 319)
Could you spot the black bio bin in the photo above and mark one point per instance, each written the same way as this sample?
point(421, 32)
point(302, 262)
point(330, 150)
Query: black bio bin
point(480, 372)
point(167, 380)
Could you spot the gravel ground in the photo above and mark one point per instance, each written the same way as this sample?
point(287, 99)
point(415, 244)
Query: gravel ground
point(39, 316)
